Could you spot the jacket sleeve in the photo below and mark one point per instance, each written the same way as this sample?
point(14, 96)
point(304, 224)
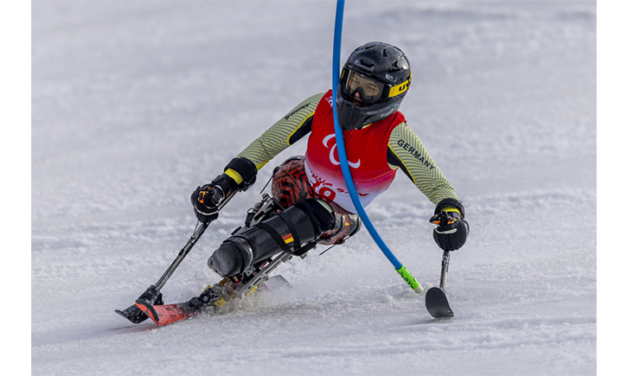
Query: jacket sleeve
point(405, 150)
point(285, 132)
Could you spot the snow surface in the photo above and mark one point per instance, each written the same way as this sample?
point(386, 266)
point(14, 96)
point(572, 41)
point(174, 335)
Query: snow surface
point(134, 104)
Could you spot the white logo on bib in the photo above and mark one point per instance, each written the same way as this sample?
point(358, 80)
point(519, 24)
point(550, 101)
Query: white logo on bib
point(325, 142)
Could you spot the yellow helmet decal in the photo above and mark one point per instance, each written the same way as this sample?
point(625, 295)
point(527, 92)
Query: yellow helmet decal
point(400, 88)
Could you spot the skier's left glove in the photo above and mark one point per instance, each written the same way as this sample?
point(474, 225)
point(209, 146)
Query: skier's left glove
point(452, 229)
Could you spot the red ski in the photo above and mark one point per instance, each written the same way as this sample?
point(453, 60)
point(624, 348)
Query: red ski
point(168, 313)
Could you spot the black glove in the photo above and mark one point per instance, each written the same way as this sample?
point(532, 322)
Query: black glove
point(207, 199)
point(452, 230)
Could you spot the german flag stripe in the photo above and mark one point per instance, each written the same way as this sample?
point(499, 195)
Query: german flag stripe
point(288, 238)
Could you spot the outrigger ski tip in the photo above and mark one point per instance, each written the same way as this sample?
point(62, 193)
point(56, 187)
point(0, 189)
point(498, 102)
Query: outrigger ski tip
point(132, 314)
point(435, 299)
point(437, 303)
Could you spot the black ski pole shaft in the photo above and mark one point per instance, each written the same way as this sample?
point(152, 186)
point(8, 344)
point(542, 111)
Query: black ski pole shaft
point(444, 273)
point(188, 247)
point(200, 229)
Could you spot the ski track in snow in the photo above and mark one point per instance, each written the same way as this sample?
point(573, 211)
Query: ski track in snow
point(134, 104)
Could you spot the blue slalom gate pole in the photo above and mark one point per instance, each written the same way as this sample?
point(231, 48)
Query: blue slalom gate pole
point(339, 136)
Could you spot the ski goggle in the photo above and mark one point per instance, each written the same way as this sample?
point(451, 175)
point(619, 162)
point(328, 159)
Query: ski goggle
point(370, 90)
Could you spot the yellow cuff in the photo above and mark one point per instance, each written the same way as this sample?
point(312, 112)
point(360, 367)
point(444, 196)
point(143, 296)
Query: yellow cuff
point(451, 209)
point(234, 175)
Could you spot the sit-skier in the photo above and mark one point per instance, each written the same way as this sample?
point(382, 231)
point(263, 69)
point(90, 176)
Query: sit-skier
point(311, 189)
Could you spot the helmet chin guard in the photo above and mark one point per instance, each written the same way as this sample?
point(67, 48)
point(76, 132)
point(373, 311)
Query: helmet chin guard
point(353, 116)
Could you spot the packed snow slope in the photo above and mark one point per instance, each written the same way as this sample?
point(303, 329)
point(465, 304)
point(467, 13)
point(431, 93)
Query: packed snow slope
point(135, 104)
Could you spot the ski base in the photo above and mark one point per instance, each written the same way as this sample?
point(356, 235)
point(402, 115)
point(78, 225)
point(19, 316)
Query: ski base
point(437, 303)
point(166, 314)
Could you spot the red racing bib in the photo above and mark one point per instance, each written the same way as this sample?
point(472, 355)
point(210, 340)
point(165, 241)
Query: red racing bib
point(366, 149)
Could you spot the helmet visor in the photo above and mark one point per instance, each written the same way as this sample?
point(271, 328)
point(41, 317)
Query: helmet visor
point(370, 90)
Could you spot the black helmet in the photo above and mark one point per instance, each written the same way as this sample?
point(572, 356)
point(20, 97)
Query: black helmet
point(380, 73)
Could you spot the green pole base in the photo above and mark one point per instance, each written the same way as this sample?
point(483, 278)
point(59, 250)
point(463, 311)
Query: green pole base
point(411, 281)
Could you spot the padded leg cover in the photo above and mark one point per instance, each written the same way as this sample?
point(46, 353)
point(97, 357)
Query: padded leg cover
point(292, 228)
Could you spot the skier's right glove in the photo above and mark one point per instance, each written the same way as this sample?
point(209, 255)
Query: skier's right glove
point(239, 174)
point(207, 199)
